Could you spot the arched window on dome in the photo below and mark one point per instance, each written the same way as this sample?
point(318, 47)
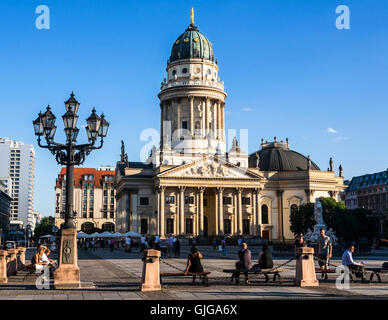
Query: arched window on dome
point(264, 214)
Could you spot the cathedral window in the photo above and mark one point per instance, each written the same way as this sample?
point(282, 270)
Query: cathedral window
point(189, 200)
point(144, 201)
point(170, 199)
point(264, 214)
point(246, 201)
point(184, 70)
point(226, 200)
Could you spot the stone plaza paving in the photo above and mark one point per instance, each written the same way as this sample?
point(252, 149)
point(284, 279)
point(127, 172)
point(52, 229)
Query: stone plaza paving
point(116, 276)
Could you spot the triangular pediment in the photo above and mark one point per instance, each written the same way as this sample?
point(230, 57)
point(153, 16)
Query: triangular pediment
point(209, 167)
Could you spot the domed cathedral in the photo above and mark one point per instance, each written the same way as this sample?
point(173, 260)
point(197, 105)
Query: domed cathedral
point(191, 185)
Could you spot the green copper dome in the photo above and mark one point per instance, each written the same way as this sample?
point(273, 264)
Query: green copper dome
point(191, 44)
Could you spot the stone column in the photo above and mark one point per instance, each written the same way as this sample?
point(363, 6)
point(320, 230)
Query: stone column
point(161, 207)
point(239, 212)
point(214, 119)
point(235, 212)
point(201, 214)
point(258, 210)
point(280, 215)
point(182, 210)
point(135, 218)
point(12, 268)
point(161, 122)
point(158, 213)
point(218, 120)
point(204, 118)
point(309, 195)
point(3, 266)
point(216, 215)
point(191, 100)
point(220, 211)
point(196, 217)
point(223, 119)
point(253, 215)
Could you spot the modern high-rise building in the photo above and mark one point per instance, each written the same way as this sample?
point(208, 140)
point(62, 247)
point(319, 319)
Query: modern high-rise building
point(17, 171)
point(5, 208)
point(94, 198)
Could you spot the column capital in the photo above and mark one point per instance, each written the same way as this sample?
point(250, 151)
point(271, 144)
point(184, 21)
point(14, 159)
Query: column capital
point(161, 188)
point(258, 190)
point(239, 190)
point(191, 97)
point(181, 188)
point(201, 189)
point(220, 190)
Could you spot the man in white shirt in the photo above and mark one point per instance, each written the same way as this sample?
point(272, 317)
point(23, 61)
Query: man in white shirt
point(347, 261)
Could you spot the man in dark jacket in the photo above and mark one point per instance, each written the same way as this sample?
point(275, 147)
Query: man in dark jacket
point(244, 264)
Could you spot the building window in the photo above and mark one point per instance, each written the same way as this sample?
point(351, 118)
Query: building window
point(189, 226)
point(228, 226)
point(205, 202)
point(144, 201)
point(144, 226)
point(170, 226)
point(184, 124)
point(170, 199)
point(264, 214)
point(246, 226)
point(189, 200)
point(294, 208)
point(226, 200)
point(246, 201)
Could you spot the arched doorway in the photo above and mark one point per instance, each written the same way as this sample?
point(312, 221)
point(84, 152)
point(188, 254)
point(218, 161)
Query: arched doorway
point(87, 227)
point(108, 226)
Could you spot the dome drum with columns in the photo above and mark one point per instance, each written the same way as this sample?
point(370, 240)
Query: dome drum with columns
point(192, 185)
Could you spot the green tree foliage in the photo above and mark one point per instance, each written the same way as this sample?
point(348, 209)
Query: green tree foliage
point(302, 219)
point(43, 228)
point(348, 224)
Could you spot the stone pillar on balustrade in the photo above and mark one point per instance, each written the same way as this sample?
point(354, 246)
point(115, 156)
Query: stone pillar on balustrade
point(12, 268)
point(21, 262)
point(3, 266)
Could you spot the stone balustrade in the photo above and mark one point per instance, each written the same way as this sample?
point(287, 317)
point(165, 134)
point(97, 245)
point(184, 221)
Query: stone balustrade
point(11, 261)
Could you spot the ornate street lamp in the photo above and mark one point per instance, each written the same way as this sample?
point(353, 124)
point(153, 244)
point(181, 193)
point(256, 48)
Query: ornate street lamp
point(70, 155)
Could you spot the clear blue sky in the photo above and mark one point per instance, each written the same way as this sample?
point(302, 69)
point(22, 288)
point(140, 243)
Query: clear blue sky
point(288, 72)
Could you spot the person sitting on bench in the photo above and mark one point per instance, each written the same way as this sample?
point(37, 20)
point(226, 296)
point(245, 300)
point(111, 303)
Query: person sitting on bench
point(244, 264)
point(347, 261)
point(265, 258)
point(194, 264)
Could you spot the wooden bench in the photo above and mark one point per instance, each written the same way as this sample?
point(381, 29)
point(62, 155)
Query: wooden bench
point(376, 272)
point(266, 272)
point(324, 272)
point(202, 276)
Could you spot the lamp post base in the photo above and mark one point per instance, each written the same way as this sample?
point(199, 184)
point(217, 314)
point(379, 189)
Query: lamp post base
point(68, 273)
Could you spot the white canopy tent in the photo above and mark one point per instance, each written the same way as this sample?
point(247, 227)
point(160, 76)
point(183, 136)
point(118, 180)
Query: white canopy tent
point(106, 234)
point(132, 234)
point(81, 235)
point(117, 235)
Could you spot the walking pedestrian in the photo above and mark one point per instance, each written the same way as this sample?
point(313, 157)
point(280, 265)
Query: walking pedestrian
point(177, 248)
point(324, 250)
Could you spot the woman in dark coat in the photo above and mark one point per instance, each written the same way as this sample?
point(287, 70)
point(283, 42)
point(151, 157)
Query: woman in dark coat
point(194, 262)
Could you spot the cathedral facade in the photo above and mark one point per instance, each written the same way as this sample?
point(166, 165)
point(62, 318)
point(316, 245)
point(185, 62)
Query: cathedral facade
point(191, 184)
